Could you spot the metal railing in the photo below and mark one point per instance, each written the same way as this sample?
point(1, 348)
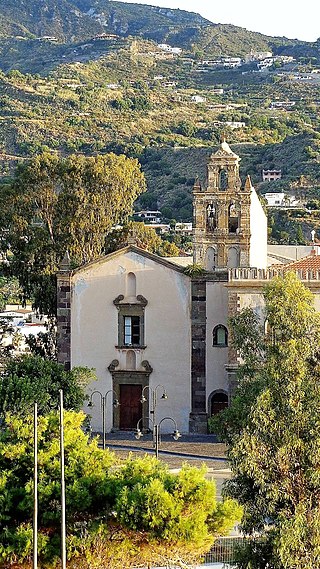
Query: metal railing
point(224, 549)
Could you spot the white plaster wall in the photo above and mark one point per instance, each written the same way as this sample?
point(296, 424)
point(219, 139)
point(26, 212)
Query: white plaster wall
point(254, 300)
point(94, 330)
point(293, 252)
point(217, 358)
point(258, 233)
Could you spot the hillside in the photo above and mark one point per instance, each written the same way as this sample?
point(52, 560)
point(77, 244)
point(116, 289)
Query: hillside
point(75, 20)
point(38, 35)
point(92, 93)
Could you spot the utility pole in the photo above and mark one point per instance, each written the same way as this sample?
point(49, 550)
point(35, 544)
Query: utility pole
point(35, 487)
point(63, 491)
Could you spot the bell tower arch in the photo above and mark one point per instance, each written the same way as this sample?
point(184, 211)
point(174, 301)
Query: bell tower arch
point(222, 214)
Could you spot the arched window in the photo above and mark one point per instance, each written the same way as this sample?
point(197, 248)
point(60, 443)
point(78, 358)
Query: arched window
point(233, 218)
point(223, 180)
point(220, 336)
point(211, 217)
point(218, 401)
point(131, 284)
point(272, 334)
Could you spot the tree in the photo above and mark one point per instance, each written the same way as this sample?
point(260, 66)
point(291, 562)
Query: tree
point(275, 441)
point(119, 514)
point(144, 236)
point(56, 204)
point(9, 291)
point(28, 378)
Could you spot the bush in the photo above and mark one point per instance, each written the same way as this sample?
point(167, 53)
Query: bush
point(117, 512)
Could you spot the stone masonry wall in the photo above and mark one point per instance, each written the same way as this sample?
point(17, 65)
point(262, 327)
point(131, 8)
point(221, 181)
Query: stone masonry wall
point(64, 319)
point(198, 415)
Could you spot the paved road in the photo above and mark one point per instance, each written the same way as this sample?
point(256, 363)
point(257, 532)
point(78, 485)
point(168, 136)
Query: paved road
point(194, 449)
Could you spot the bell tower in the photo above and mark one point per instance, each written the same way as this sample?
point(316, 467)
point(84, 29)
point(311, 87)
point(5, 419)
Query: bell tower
point(221, 210)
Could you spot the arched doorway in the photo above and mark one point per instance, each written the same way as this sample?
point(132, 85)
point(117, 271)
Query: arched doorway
point(219, 401)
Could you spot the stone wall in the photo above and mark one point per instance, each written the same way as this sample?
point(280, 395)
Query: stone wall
point(198, 415)
point(64, 319)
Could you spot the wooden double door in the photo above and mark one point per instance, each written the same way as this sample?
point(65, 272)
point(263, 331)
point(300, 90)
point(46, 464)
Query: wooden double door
point(130, 406)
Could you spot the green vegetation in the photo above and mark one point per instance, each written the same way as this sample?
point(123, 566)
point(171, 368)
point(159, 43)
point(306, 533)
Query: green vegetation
point(144, 236)
point(57, 204)
point(272, 427)
point(194, 270)
point(119, 513)
point(26, 379)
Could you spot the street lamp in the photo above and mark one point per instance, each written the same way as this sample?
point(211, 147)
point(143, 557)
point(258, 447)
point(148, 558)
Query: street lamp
point(139, 433)
point(103, 401)
point(153, 393)
point(156, 432)
point(176, 435)
point(153, 396)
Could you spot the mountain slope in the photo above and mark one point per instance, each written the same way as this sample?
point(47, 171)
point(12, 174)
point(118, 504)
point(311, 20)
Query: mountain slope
point(74, 20)
point(69, 22)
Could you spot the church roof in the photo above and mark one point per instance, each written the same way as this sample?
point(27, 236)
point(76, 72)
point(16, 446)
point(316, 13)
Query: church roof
point(131, 249)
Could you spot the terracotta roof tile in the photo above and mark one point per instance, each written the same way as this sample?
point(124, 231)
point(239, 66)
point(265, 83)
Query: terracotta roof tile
point(309, 263)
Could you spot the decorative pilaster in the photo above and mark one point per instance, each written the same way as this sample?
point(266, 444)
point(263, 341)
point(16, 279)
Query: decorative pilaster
point(232, 367)
point(64, 313)
point(198, 415)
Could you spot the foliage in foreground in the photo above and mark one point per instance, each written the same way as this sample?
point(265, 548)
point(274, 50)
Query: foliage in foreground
point(26, 379)
point(118, 514)
point(273, 427)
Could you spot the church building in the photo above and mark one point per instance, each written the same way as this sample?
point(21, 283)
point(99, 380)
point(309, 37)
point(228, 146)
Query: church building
point(156, 336)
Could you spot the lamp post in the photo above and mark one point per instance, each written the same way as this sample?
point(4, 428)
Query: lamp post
point(157, 431)
point(153, 395)
point(139, 432)
point(103, 401)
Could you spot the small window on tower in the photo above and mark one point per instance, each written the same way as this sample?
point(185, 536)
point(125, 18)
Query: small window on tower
point(223, 180)
point(211, 217)
point(233, 218)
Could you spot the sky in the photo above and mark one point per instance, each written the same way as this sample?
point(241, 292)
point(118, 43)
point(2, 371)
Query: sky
point(288, 18)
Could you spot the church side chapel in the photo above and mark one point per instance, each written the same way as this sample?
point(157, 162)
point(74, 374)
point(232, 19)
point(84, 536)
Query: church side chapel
point(157, 337)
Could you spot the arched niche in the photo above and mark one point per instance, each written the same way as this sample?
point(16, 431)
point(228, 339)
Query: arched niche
point(211, 258)
point(131, 285)
point(233, 260)
point(131, 362)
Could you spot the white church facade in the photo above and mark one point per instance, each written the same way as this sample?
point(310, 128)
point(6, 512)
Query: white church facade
point(148, 328)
